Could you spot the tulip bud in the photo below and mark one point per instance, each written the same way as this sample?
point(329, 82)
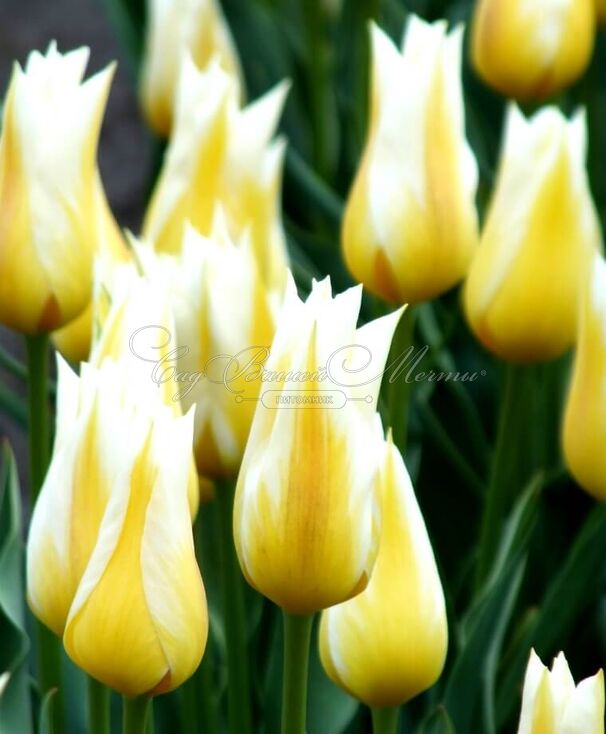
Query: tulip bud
point(531, 50)
point(305, 512)
point(217, 335)
point(219, 153)
point(410, 225)
point(552, 704)
point(388, 644)
point(196, 27)
point(142, 587)
point(50, 195)
point(539, 239)
point(585, 416)
point(110, 557)
point(74, 341)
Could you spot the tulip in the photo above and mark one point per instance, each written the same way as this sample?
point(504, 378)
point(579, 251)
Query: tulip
point(585, 417)
point(193, 27)
point(388, 644)
point(138, 622)
point(50, 197)
point(305, 512)
point(110, 557)
point(538, 243)
point(530, 51)
point(74, 341)
point(551, 704)
point(410, 225)
point(217, 334)
point(219, 153)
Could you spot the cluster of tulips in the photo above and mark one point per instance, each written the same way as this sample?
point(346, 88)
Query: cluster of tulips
point(160, 405)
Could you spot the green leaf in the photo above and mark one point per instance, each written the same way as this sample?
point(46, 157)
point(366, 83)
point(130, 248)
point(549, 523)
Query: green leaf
point(46, 713)
point(439, 722)
point(580, 581)
point(15, 705)
point(471, 680)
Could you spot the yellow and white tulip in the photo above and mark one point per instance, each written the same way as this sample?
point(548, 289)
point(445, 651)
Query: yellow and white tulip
point(219, 153)
point(110, 560)
point(388, 644)
point(410, 226)
point(531, 50)
point(306, 511)
point(539, 240)
point(225, 316)
point(176, 28)
point(53, 210)
point(552, 704)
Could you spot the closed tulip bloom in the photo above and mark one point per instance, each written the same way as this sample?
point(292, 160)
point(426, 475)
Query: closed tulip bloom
point(138, 622)
point(530, 51)
point(539, 240)
point(50, 196)
point(410, 225)
point(305, 512)
point(585, 416)
point(219, 153)
point(74, 341)
point(196, 27)
point(552, 704)
point(388, 644)
point(218, 333)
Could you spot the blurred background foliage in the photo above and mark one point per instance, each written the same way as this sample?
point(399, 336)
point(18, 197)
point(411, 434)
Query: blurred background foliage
point(547, 586)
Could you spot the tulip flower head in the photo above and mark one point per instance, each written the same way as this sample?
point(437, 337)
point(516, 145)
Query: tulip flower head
point(221, 154)
point(531, 50)
point(305, 513)
point(410, 225)
point(538, 243)
point(110, 557)
point(585, 416)
point(51, 200)
point(194, 26)
point(388, 644)
point(225, 318)
point(551, 703)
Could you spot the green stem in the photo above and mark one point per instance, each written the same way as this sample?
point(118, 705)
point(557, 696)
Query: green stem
point(318, 82)
point(385, 720)
point(297, 636)
point(48, 649)
point(98, 707)
point(199, 705)
point(238, 680)
point(507, 467)
point(313, 187)
point(39, 449)
point(400, 387)
point(135, 714)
